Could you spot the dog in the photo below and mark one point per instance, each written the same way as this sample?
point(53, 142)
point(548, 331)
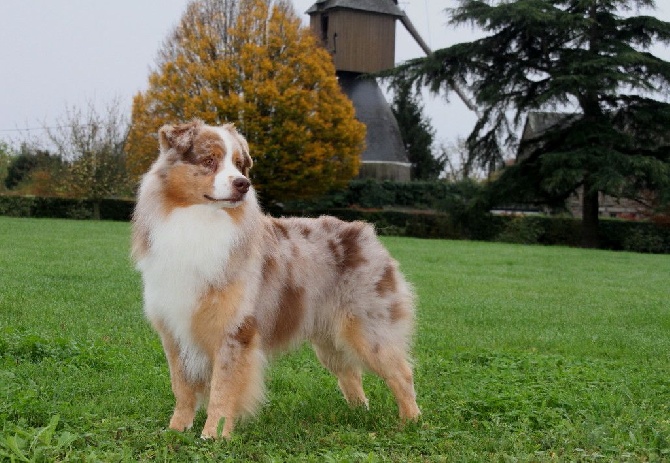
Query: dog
point(226, 286)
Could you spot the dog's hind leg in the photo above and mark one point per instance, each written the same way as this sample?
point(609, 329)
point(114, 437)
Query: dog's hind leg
point(388, 359)
point(349, 376)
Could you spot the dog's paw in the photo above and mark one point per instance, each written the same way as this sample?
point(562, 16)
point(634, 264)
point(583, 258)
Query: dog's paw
point(177, 423)
point(360, 404)
point(209, 433)
point(216, 430)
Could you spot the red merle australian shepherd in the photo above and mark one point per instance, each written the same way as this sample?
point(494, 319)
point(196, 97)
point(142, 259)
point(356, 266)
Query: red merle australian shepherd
point(226, 286)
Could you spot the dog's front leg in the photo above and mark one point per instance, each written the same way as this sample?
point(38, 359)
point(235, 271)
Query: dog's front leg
point(185, 391)
point(236, 387)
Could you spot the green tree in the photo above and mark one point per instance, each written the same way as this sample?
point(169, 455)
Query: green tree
point(33, 170)
point(417, 133)
point(589, 57)
point(250, 62)
point(6, 158)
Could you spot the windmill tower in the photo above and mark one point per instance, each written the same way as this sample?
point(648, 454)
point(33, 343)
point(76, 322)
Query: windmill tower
point(360, 36)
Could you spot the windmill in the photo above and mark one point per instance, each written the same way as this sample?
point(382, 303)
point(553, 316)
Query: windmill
point(360, 36)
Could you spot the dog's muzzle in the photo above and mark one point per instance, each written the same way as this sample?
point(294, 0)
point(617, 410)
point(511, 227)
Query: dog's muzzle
point(240, 188)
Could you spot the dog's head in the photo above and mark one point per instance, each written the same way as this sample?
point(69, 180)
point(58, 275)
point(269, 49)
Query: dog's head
point(204, 164)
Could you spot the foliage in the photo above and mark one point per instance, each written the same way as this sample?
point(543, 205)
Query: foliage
point(33, 171)
point(459, 212)
point(369, 193)
point(522, 353)
point(66, 208)
point(417, 133)
point(85, 159)
point(251, 63)
point(584, 57)
point(617, 235)
point(35, 445)
point(6, 157)
point(91, 144)
point(521, 230)
point(458, 165)
point(645, 241)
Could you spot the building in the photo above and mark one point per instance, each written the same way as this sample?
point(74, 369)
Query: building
point(360, 36)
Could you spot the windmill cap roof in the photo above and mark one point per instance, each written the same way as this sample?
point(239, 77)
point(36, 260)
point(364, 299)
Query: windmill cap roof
point(388, 7)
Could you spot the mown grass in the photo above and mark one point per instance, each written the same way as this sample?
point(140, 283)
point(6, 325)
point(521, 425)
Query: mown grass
point(522, 353)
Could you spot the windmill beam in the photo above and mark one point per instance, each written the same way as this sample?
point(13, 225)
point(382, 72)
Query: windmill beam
point(404, 19)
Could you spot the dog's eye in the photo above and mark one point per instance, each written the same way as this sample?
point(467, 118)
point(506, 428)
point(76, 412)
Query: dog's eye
point(209, 163)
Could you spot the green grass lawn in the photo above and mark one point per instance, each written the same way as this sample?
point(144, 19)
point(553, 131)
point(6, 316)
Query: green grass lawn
point(522, 353)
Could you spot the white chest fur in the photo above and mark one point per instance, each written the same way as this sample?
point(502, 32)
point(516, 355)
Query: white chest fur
point(188, 253)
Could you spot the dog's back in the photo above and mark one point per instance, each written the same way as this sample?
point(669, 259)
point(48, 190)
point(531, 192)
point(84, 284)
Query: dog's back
point(317, 273)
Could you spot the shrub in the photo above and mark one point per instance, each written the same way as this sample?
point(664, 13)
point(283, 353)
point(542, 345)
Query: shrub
point(522, 230)
point(634, 236)
point(560, 231)
point(641, 240)
point(69, 208)
point(372, 194)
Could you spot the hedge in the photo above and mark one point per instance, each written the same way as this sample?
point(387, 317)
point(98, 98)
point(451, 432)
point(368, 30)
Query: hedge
point(68, 208)
point(618, 235)
point(463, 219)
point(375, 194)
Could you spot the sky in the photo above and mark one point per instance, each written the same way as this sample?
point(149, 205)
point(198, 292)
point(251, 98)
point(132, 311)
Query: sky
point(59, 54)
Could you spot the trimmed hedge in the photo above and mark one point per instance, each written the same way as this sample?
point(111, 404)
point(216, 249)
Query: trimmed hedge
point(618, 235)
point(463, 219)
point(66, 208)
point(372, 194)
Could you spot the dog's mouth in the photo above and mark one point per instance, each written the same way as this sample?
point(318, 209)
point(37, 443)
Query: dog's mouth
point(230, 201)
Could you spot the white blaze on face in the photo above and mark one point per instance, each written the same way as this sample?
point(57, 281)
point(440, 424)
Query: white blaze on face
point(227, 172)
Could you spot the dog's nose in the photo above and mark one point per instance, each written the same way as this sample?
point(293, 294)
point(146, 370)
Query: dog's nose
point(241, 184)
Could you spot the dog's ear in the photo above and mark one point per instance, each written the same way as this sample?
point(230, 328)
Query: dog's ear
point(243, 147)
point(178, 137)
point(248, 162)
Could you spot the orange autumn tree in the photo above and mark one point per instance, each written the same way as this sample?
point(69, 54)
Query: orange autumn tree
point(251, 63)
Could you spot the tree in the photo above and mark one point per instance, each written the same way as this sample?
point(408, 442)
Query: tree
point(90, 143)
point(250, 62)
point(584, 57)
point(32, 170)
point(6, 157)
point(458, 165)
point(417, 133)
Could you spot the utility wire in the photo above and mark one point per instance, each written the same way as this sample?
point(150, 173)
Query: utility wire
point(28, 129)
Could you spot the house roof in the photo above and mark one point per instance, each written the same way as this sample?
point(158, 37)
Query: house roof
point(539, 122)
point(388, 7)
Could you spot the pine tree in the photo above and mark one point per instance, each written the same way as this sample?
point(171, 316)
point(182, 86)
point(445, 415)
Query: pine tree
point(417, 133)
point(581, 56)
point(250, 62)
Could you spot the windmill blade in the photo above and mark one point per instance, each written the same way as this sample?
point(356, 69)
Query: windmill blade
point(404, 19)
